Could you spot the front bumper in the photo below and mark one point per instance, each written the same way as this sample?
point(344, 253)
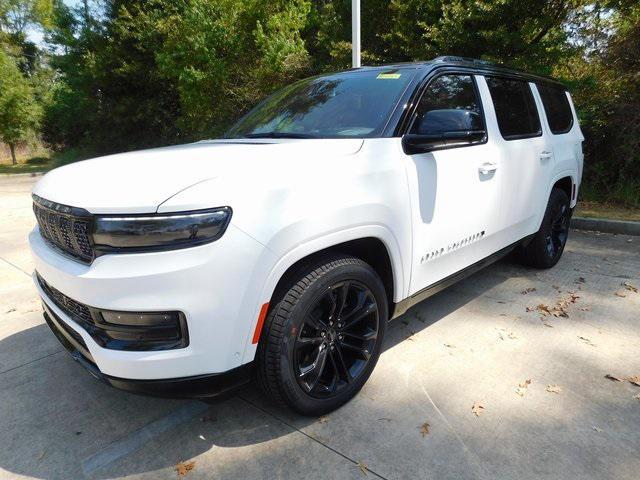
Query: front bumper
point(199, 386)
point(217, 286)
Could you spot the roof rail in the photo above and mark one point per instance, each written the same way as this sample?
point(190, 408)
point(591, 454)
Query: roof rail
point(454, 58)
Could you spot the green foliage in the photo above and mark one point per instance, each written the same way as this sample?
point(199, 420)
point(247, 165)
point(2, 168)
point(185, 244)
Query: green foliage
point(128, 74)
point(605, 83)
point(19, 112)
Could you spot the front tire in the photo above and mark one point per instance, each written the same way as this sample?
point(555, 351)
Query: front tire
point(546, 247)
point(323, 335)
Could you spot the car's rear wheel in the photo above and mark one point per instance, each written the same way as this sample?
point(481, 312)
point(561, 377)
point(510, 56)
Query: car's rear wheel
point(323, 335)
point(546, 247)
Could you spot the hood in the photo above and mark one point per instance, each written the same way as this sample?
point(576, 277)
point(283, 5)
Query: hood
point(138, 182)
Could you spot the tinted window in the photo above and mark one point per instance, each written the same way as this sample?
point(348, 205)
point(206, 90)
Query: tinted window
point(515, 108)
point(449, 104)
point(348, 104)
point(556, 107)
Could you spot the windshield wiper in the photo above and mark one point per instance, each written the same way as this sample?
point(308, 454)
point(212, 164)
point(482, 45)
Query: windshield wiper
point(278, 135)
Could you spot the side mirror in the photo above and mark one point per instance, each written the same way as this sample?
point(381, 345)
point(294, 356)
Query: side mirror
point(413, 143)
point(443, 128)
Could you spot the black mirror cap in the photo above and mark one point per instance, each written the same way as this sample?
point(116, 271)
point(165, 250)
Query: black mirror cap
point(413, 143)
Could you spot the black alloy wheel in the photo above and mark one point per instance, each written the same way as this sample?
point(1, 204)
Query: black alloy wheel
point(323, 334)
point(336, 338)
point(545, 248)
point(559, 229)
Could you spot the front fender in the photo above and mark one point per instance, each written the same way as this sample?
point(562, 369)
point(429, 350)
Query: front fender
point(313, 245)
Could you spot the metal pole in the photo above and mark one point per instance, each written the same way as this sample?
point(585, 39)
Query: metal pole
point(355, 33)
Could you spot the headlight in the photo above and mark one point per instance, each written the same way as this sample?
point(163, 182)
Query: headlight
point(159, 231)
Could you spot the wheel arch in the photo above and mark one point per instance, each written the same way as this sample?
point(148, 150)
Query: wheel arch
point(565, 184)
point(374, 244)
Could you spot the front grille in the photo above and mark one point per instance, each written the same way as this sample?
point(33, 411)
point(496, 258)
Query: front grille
point(66, 228)
point(76, 310)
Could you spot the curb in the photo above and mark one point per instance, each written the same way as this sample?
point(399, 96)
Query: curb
point(621, 227)
point(28, 174)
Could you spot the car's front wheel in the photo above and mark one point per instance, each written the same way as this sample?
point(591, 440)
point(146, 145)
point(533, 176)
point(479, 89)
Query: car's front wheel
point(323, 335)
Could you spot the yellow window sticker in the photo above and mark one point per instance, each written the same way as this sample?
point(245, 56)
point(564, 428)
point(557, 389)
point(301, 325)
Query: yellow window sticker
point(388, 76)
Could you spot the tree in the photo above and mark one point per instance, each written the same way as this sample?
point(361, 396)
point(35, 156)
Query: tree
point(19, 111)
point(18, 15)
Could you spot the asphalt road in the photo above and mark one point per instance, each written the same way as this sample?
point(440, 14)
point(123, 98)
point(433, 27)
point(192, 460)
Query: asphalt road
point(473, 344)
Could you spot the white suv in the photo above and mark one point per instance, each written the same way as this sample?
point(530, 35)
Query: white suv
point(281, 251)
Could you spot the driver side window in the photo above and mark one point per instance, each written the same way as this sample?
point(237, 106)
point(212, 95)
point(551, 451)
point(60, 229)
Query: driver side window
point(449, 104)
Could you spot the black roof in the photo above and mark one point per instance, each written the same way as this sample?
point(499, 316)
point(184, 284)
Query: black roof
point(481, 66)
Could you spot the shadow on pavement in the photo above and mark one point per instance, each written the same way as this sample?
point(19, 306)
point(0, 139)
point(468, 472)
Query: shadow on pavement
point(60, 423)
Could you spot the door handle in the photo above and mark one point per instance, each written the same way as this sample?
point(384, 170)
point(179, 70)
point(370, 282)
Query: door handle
point(487, 167)
point(545, 155)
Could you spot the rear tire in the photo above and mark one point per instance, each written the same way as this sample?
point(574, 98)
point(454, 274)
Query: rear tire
point(547, 245)
point(323, 334)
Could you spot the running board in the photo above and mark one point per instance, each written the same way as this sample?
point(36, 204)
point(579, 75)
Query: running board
point(402, 306)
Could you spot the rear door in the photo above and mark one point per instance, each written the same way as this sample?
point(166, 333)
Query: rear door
point(526, 155)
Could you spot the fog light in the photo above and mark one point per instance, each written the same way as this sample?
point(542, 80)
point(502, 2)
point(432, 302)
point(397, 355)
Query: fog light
point(140, 330)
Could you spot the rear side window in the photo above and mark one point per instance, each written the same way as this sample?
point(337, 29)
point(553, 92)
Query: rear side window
point(515, 108)
point(449, 104)
point(556, 107)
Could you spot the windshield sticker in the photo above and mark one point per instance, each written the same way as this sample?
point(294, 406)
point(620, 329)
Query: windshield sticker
point(388, 76)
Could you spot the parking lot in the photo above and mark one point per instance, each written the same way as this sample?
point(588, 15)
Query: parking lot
point(501, 376)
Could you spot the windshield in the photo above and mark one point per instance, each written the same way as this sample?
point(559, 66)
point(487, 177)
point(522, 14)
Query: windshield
point(348, 104)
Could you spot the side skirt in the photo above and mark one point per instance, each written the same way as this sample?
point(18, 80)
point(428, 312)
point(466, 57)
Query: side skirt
point(402, 306)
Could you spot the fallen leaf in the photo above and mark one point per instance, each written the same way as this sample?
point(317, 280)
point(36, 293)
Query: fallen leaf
point(477, 409)
point(185, 467)
point(363, 467)
point(586, 340)
point(323, 419)
point(635, 380)
point(547, 324)
point(619, 294)
point(597, 429)
point(630, 287)
point(554, 388)
point(449, 345)
point(544, 309)
point(613, 377)
point(581, 280)
point(637, 397)
point(522, 387)
point(10, 310)
point(528, 290)
point(424, 429)
point(385, 419)
point(585, 309)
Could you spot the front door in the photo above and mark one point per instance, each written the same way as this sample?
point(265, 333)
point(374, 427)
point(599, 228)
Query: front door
point(455, 191)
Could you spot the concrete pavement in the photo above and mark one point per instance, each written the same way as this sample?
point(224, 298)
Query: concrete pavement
point(474, 343)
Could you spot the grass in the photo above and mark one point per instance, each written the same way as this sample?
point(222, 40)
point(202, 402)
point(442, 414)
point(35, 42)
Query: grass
point(43, 162)
point(611, 211)
point(32, 165)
